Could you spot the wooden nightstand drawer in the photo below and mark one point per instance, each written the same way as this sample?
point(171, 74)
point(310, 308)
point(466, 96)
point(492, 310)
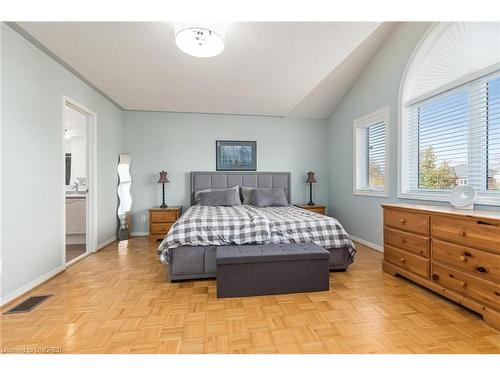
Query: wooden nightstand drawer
point(319, 209)
point(410, 242)
point(160, 228)
point(477, 262)
point(164, 217)
point(160, 221)
point(407, 261)
point(482, 234)
point(408, 221)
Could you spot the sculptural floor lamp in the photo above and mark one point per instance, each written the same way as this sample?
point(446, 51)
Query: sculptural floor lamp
point(163, 180)
point(310, 180)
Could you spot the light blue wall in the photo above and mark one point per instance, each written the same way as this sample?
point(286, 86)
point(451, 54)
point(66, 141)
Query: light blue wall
point(180, 143)
point(32, 166)
point(376, 87)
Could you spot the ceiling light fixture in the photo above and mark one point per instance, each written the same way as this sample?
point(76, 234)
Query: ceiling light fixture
point(199, 40)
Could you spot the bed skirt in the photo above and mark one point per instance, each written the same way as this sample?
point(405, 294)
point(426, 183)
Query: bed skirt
point(198, 262)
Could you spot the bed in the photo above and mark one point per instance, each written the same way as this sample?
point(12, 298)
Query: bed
point(189, 248)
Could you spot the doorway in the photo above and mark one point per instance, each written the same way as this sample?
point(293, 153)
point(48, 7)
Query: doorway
point(79, 169)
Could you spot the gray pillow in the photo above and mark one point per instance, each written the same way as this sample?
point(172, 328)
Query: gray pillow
point(219, 197)
point(246, 194)
point(269, 197)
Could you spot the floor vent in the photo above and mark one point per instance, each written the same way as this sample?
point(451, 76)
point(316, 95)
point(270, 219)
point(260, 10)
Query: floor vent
point(28, 304)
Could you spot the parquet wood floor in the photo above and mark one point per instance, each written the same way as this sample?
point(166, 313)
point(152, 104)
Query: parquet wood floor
point(117, 301)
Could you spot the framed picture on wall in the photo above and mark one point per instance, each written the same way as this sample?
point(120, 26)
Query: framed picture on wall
point(236, 155)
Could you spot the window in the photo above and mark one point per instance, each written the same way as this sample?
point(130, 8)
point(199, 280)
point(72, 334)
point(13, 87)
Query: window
point(493, 134)
point(449, 114)
point(370, 149)
point(453, 138)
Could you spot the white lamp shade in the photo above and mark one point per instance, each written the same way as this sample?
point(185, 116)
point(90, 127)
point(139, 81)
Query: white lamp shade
point(199, 40)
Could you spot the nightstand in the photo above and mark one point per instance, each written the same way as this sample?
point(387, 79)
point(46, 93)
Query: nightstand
point(318, 208)
point(161, 219)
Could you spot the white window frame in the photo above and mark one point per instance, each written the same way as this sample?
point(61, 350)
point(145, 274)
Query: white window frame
point(373, 118)
point(405, 98)
point(482, 197)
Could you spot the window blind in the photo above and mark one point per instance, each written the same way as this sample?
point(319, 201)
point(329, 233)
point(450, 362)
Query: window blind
point(370, 160)
point(454, 139)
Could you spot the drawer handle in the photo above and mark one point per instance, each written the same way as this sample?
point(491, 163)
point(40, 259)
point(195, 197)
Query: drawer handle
point(402, 221)
point(435, 277)
point(481, 222)
point(403, 240)
point(481, 269)
point(467, 254)
point(463, 258)
point(402, 260)
point(463, 284)
point(462, 233)
point(497, 294)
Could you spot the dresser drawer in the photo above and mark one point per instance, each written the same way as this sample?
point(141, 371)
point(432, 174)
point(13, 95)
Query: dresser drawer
point(468, 285)
point(477, 262)
point(160, 228)
point(482, 234)
point(406, 260)
point(410, 242)
point(163, 217)
point(415, 222)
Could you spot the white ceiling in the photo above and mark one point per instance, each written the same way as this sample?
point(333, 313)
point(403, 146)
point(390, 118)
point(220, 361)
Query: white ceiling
point(295, 69)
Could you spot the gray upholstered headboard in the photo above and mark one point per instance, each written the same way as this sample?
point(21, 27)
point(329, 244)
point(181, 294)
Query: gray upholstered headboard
point(221, 180)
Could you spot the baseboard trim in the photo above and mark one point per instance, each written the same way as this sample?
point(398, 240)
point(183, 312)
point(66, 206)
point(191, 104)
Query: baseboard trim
point(138, 234)
point(78, 259)
point(105, 243)
point(31, 285)
point(368, 243)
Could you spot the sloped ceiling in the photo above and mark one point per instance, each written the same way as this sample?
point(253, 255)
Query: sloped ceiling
point(294, 69)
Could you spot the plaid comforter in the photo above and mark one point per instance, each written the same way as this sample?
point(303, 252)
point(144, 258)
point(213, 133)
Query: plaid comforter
point(244, 225)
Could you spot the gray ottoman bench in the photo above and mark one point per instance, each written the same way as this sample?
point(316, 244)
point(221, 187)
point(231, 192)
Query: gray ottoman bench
point(253, 270)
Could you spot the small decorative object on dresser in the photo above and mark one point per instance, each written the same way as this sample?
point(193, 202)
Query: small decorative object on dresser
point(163, 180)
point(453, 252)
point(318, 208)
point(462, 197)
point(310, 180)
point(160, 221)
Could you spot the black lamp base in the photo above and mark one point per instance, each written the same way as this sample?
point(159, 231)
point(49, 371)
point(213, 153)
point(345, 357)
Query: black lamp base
point(163, 205)
point(311, 203)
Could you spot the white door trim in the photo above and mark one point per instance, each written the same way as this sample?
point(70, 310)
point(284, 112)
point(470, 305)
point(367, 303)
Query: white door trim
point(91, 219)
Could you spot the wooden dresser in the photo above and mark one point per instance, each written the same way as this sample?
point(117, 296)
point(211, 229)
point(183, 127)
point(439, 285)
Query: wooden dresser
point(160, 221)
point(455, 253)
point(318, 208)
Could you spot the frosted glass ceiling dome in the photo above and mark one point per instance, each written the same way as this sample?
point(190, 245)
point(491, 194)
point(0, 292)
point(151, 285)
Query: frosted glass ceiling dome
point(199, 40)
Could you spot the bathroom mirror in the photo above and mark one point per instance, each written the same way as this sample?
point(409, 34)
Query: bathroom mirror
point(124, 197)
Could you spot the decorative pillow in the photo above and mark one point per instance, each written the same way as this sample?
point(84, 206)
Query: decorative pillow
point(246, 195)
point(269, 197)
point(218, 197)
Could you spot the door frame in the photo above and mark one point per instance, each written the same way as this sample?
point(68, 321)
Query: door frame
point(91, 166)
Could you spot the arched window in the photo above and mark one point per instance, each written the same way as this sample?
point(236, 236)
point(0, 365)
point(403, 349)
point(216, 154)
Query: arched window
point(450, 113)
